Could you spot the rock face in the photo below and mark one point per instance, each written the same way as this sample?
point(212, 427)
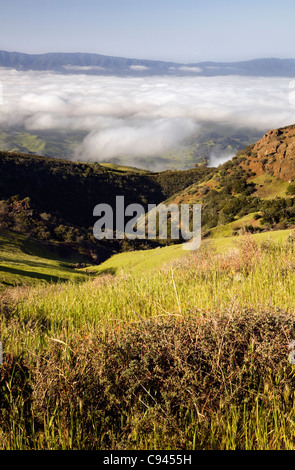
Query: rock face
point(274, 154)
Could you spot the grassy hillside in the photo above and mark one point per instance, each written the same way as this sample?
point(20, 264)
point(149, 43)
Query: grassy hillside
point(191, 355)
point(139, 261)
point(25, 262)
point(269, 187)
point(221, 240)
point(60, 144)
point(254, 181)
point(234, 198)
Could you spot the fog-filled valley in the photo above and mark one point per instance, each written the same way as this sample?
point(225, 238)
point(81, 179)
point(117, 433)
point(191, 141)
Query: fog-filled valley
point(156, 122)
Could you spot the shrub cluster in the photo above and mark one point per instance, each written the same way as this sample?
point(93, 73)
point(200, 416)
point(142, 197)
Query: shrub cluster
point(116, 390)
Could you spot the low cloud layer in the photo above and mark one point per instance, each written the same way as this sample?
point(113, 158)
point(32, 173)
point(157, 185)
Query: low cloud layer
point(138, 137)
point(137, 116)
point(82, 68)
point(139, 68)
point(187, 68)
point(217, 158)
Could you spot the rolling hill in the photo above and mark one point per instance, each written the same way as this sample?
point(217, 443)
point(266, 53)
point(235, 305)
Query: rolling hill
point(27, 262)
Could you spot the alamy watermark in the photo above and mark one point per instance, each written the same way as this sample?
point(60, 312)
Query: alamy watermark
point(177, 222)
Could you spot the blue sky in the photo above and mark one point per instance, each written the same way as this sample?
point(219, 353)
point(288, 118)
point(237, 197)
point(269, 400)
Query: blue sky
point(177, 30)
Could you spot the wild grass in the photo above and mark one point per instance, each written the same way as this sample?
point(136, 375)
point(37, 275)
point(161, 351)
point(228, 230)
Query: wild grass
point(139, 261)
point(247, 276)
point(25, 262)
point(268, 187)
point(192, 355)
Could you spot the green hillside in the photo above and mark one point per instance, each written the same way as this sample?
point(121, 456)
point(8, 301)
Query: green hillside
point(25, 262)
point(60, 144)
point(141, 261)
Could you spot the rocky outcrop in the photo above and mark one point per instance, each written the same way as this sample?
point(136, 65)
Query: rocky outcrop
point(274, 154)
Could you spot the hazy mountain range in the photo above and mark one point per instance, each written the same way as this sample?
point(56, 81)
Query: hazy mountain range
point(97, 64)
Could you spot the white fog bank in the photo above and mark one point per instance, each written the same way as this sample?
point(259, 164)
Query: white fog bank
point(136, 116)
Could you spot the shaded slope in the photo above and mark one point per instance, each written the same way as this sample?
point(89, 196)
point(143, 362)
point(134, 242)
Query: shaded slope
point(50, 199)
point(27, 262)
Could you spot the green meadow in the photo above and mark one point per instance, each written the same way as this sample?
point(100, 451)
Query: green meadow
point(25, 262)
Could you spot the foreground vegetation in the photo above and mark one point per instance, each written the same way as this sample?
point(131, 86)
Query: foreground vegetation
point(189, 355)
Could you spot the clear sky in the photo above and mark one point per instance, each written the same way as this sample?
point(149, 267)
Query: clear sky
point(177, 30)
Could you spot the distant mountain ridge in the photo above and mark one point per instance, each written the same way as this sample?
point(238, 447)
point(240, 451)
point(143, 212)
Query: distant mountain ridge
point(97, 64)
